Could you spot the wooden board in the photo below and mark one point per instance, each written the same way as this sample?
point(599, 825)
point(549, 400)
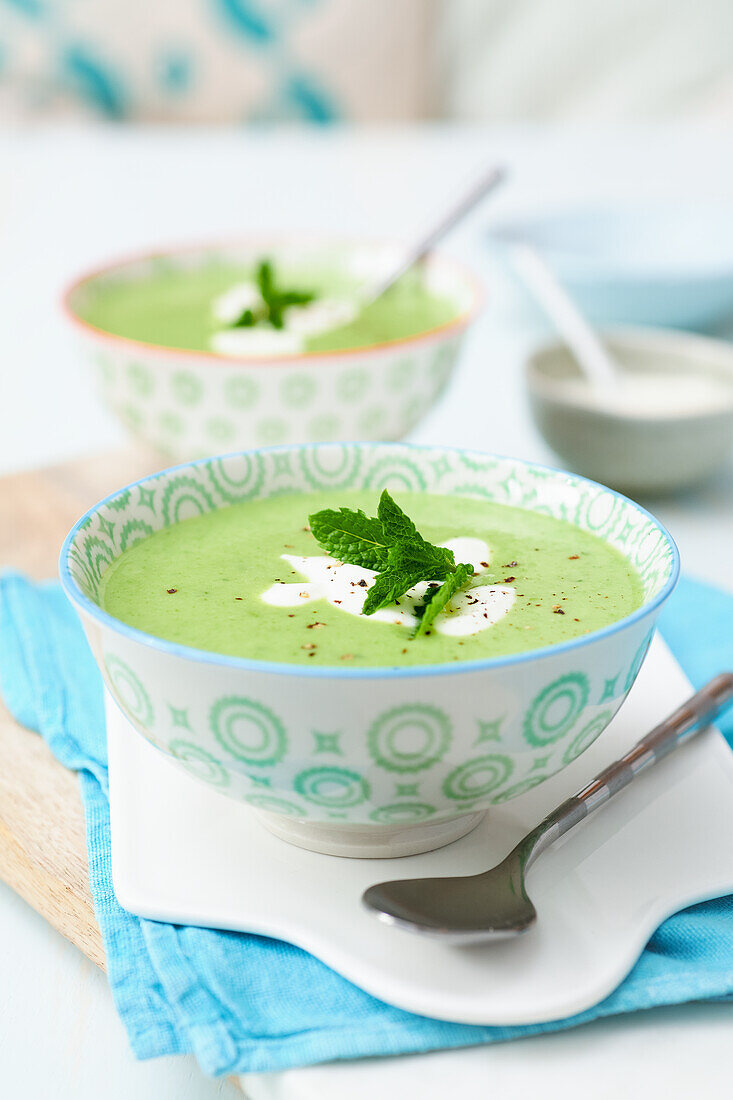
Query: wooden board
point(42, 840)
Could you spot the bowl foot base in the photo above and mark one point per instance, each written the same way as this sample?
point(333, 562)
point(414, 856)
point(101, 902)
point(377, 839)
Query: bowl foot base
point(369, 841)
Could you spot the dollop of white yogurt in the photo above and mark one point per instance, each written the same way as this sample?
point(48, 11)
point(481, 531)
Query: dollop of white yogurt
point(346, 586)
point(230, 305)
point(256, 340)
point(320, 316)
point(652, 394)
point(299, 323)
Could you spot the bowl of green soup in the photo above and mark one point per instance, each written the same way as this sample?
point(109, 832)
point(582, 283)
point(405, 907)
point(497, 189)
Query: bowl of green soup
point(369, 644)
point(221, 348)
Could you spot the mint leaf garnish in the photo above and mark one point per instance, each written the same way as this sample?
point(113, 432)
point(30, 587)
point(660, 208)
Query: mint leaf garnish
point(277, 300)
point(431, 562)
point(274, 300)
point(409, 550)
point(397, 526)
point(387, 588)
point(392, 547)
point(351, 537)
point(438, 598)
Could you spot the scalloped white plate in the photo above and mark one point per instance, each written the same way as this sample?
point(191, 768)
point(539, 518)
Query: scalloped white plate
point(184, 853)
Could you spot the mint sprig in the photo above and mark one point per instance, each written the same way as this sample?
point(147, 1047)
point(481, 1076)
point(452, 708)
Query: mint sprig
point(388, 587)
point(437, 598)
point(351, 537)
point(397, 526)
point(275, 300)
point(391, 545)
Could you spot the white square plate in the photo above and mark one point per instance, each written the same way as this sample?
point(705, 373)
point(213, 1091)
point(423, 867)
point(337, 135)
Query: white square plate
point(184, 853)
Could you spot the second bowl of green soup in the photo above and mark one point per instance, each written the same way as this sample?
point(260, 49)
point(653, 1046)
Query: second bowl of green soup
point(369, 644)
point(214, 348)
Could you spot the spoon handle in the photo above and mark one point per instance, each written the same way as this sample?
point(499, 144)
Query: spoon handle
point(690, 718)
point(486, 183)
point(589, 351)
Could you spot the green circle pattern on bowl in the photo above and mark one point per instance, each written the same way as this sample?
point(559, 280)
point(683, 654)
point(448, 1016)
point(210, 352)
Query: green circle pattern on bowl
point(141, 379)
point(170, 424)
point(554, 712)
point(129, 692)
point(403, 474)
point(187, 388)
point(352, 385)
point(587, 736)
point(199, 762)
point(271, 431)
point(335, 788)
point(274, 805)
point(402, 813)
point(134, 530)
point(638, 661)
point(430, 724)
point(234, 484)
point(331, 468)
point(185, 496)
point(99, 552)
point(220, 430)
point(478, 778)
point(401, 375)
point(242, 392)
point(298, 390)
point(248, 730)
point(325, 426)
point(519, 788)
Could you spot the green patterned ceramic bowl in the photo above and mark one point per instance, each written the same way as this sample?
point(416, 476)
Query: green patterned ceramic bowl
point(188, 404)
point(368, 761)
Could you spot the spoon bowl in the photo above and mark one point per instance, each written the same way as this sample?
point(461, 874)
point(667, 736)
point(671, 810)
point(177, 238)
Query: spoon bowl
point(468, 907)
point(494, 905)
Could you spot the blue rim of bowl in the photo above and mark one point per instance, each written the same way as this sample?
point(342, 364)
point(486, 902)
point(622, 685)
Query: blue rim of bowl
point(251, 664)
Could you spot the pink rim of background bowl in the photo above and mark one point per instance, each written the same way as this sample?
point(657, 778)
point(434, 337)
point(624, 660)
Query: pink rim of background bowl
point(83, 281)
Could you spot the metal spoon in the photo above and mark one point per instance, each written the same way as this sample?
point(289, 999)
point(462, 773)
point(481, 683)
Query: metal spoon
point(494, 905)
point(419, 250)
point(590, 353)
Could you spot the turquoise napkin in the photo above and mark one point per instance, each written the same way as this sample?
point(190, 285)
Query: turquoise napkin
point(245, 1004)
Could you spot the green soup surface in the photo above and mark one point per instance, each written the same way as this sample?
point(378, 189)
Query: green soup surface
point(200, 583)
point(172, 307)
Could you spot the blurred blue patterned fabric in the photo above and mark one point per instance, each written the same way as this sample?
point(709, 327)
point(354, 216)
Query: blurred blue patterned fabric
point(366, 60)
point(317, 61)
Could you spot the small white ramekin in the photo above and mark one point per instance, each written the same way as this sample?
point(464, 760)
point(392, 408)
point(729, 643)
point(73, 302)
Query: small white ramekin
point(645, 450)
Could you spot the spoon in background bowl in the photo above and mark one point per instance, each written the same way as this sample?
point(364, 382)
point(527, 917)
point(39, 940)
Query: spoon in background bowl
point(495, 905)
point(642, 411)
point(590, 354)
point(322, 315)
point(610, 385)
point(488, 181)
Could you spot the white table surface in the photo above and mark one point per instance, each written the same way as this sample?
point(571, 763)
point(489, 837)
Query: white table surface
point(71, 198)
